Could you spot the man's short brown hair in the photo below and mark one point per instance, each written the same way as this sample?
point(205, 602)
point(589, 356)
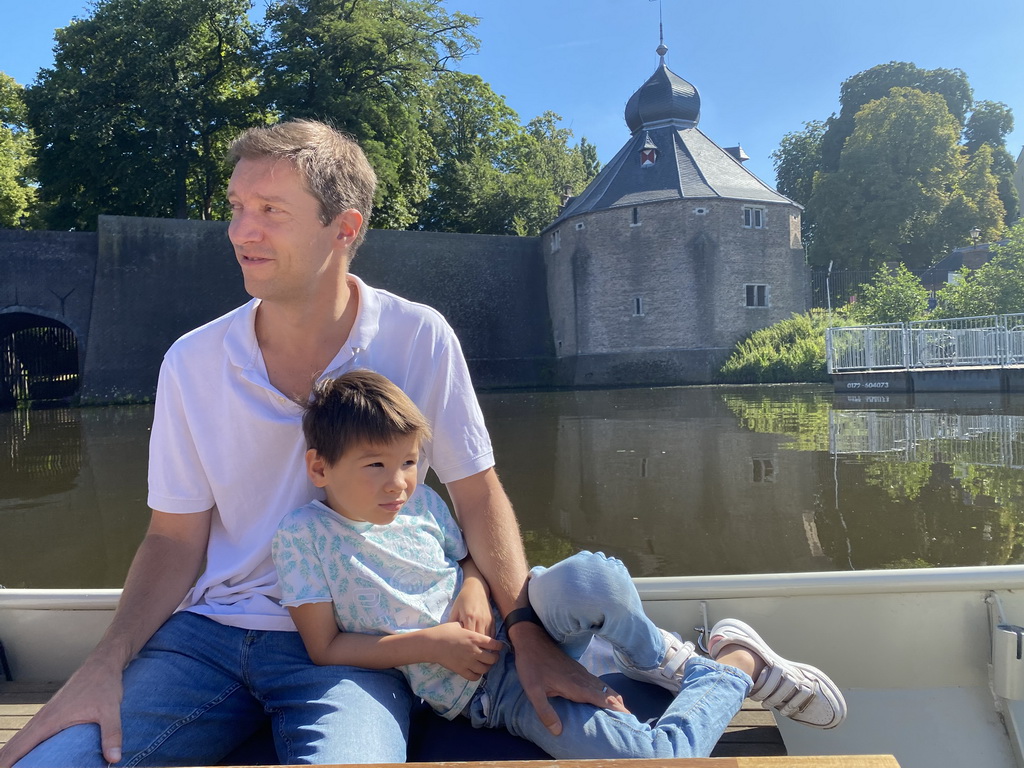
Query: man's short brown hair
point(359, 407)
point(331, 163)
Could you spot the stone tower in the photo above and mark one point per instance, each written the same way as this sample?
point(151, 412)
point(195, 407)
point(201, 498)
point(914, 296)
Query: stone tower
point(671, 255)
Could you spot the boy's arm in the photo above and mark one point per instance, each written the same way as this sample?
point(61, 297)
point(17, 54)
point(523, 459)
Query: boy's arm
point(463, 651)
point(472, 606)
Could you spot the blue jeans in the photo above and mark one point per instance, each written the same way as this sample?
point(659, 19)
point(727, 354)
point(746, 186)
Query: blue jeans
point(199, 688)
point(589, 594)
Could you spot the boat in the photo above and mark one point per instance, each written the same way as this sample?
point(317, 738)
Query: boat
point(931, 661)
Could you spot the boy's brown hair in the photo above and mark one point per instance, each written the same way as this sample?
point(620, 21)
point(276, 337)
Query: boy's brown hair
point(359, 407)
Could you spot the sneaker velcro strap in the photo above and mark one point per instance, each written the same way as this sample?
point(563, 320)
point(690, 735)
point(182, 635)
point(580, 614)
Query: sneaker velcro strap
point(781, 692)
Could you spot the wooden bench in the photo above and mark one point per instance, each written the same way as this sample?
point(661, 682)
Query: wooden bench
point(752, 740)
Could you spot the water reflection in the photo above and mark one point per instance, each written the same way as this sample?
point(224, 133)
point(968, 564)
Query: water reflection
point(673, 481)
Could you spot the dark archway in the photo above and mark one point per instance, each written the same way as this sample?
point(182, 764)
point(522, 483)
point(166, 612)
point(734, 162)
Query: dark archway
point(38, 360)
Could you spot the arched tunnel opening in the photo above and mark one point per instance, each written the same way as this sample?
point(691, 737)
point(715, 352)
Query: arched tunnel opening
point(38, 360)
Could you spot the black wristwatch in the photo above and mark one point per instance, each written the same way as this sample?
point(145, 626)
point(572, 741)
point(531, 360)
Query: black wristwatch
point(526, 613)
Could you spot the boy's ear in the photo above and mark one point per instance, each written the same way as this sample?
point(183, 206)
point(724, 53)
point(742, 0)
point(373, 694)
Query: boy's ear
point(315, 468)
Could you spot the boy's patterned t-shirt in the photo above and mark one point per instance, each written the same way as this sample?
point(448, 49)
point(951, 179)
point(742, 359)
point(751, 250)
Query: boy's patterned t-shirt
point(382, 579)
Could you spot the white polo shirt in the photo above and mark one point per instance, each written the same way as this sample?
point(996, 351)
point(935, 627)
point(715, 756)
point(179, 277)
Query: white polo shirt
point(224, 437)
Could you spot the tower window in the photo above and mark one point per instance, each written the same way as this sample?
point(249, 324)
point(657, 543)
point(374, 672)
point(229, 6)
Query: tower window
point(753, 217)
point(634, 220)
point(556, 240)
point(757, 295)
point(638, 306)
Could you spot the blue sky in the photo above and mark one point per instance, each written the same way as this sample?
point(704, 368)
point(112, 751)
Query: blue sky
point(762, 69)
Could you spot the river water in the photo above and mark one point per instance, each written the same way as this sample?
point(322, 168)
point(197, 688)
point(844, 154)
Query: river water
point(674, 481)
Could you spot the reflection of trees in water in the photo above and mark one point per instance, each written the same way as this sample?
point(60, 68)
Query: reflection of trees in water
point(42, 451)
point(804, 418)
point(908, 488)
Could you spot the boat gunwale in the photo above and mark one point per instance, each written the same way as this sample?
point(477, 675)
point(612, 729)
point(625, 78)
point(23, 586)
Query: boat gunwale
point(665, 588)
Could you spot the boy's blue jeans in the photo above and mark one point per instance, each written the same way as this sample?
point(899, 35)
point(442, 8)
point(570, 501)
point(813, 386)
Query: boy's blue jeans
point(589, 594)
point(199, 688)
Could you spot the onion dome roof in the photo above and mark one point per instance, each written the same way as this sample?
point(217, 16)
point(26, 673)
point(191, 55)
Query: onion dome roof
point(665, 99)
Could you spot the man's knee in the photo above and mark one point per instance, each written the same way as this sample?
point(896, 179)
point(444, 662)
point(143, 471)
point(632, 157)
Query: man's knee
point(78, 745)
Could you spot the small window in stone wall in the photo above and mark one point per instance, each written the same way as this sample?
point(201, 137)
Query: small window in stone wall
point(580, 225)
point(556, 240)
point(753, 217)
point(764, 470)
point(635, 218)
point(700, 211)
point(757, 295)
point(638, 306)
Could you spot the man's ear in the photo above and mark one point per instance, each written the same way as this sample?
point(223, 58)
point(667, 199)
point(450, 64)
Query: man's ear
point(348, 223)
point(316, 468)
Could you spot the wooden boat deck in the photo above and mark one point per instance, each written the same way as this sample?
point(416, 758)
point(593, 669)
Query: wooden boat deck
point(752, 732)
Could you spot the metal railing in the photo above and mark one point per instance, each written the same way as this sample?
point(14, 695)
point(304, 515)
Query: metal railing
point(992, 341)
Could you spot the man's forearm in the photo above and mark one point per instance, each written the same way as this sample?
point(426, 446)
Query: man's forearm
point(163, 570)
point(492, 535)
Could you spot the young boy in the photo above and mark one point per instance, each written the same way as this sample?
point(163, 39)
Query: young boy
point(376, 576)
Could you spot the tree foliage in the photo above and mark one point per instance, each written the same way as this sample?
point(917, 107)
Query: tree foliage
point(886, 200)
point(135, 114)
point(894, 295)
point(995, 288)
point(365, 66)
point(494, 175)
point(17, 193)
point(903, 173)
point(876, 83)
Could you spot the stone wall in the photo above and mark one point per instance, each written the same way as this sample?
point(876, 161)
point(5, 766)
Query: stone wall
point(158, 278)
point(47, 274)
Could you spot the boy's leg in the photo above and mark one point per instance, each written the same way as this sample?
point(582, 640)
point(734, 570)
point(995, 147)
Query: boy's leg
point(183, 703)
point(329, 714)
point(711, 695)
point(589, 594)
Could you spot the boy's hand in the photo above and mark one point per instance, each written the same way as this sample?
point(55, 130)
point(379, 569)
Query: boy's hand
point(467, 653)
point(472, 608)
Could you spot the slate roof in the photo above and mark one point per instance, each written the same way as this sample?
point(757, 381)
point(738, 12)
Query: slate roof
point(664, 113)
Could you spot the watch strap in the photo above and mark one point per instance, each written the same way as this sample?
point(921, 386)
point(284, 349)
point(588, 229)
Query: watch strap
point(526, 613)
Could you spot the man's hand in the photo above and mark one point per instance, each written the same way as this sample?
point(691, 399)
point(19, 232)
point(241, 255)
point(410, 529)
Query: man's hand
point(91, 695)
point(545, 671)
point(466, 653)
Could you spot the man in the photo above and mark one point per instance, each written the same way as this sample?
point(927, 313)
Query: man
point(200, 650)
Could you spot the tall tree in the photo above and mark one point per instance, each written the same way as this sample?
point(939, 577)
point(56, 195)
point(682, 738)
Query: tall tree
point(365, 66)
point(895, 178)
point(494, 176)
point(796, 161)
point(17, 193)
point(135, 113)
point(875, 83)
point(989, 124)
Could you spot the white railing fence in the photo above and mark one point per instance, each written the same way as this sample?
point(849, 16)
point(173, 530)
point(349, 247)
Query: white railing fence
point(994, 340)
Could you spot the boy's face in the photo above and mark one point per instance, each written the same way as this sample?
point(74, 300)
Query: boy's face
point(369, 483)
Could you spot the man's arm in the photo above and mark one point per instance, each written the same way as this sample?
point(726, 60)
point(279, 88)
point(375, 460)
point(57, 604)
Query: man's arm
point(164, 568)
point(492, 535)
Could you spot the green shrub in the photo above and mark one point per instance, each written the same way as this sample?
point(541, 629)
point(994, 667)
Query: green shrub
point(790, 351)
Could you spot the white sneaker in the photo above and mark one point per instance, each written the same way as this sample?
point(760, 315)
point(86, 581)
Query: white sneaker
point(798, 691)
point(668, 674)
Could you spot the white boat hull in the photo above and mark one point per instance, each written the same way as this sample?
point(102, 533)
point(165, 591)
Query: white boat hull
point(911, 650)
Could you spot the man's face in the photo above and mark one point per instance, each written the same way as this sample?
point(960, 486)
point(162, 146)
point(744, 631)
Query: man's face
point(279, 240)
point(369, 483)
